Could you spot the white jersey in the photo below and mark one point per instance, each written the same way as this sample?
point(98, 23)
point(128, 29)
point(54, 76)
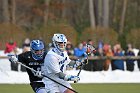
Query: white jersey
point(54, 63)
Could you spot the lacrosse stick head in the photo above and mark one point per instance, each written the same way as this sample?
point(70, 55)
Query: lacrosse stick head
point(90, 49)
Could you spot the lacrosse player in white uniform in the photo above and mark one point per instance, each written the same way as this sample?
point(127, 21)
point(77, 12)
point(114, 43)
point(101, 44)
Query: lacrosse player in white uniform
point(55, 64)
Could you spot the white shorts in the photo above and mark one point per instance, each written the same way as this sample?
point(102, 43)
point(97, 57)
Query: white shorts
point(52, 87)
point(41, 91)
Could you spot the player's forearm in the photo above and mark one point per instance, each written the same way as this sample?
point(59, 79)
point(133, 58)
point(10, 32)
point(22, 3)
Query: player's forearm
point(72, 64)
point(68, 77)
point(61, 75)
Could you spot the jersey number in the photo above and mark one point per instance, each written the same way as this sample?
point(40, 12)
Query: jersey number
point(61, 68)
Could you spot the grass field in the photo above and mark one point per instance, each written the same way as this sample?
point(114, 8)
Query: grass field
point(81, 88)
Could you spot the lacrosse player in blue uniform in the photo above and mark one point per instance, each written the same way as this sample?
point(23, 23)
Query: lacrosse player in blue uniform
point(33, 59)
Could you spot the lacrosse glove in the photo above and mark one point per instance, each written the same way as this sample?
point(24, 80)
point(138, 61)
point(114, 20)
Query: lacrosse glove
point(38, 74)
point(13, 59)
point(72, 78)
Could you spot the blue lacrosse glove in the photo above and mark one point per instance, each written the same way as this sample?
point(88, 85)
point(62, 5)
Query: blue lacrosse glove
point(72, 78)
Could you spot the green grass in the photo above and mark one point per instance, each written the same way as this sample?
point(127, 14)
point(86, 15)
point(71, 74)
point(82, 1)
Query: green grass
point(81, 88)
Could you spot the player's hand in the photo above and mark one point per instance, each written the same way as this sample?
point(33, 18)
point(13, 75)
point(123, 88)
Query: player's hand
point(38, 74)
point(81, 61)
point(78, 63)
point(72, 78)
point(13, 59)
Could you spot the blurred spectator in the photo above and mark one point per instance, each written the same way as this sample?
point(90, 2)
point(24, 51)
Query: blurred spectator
point(129, 63)
point(138, 61)
point(69, 49)
point(84, 44)
point(100, 44)
point(90, 42)
point(108, 52)
point(25, 48)
point(118, 63)
point(50, 46)
point(26, 45)
point(79, 51)
point(98, 64)
point(11, 47)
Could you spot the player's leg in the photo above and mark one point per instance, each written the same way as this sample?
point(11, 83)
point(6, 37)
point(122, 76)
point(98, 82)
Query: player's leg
point(68, 91)
point(38, 87)
point(41, 90)
point(64, 89)
point(51, 87)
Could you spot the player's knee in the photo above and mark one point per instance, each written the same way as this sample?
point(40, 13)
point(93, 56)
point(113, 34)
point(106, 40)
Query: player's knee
point(68, 91)
point(41, 91)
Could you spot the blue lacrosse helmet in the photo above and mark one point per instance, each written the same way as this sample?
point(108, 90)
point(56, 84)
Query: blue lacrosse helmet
point(37, 49)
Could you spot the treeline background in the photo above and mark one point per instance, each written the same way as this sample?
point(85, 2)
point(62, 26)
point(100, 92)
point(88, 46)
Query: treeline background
point(110, 21)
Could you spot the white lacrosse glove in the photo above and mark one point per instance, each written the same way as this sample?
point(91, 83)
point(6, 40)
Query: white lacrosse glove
point(79, 62)
point(13, 59)
point(72, 78)
point(38, 74)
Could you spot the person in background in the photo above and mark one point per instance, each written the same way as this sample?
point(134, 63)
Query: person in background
point(98, 64)
point(118, 64)
point(109, 53)
point(79, 51)
point(69, 49)
point(11, 47)
point(84, 44)
point(26, 45)
point(33, 59)
point(129, 63)
point(25, 48)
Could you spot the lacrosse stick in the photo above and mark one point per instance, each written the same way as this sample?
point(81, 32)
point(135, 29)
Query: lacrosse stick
point(89, 50)
point(81, 67)
point(47, 77)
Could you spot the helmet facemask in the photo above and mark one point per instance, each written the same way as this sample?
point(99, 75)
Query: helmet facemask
point(38, 54)
point(61, 46)
point(37, 49)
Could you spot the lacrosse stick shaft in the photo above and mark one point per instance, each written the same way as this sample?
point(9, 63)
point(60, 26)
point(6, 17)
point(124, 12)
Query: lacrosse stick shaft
point(81, 67)
point(48, 77)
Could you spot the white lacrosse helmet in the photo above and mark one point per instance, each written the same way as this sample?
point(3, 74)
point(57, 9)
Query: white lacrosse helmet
point(60, 42)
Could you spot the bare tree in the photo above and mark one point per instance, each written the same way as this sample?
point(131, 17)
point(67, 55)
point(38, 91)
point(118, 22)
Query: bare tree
point(99, 12)
point(123, 17)
point(105, 13)
point(13, 10)
point(46, 12)
point(92, 14)
point(6, 15)
point(64, 9)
